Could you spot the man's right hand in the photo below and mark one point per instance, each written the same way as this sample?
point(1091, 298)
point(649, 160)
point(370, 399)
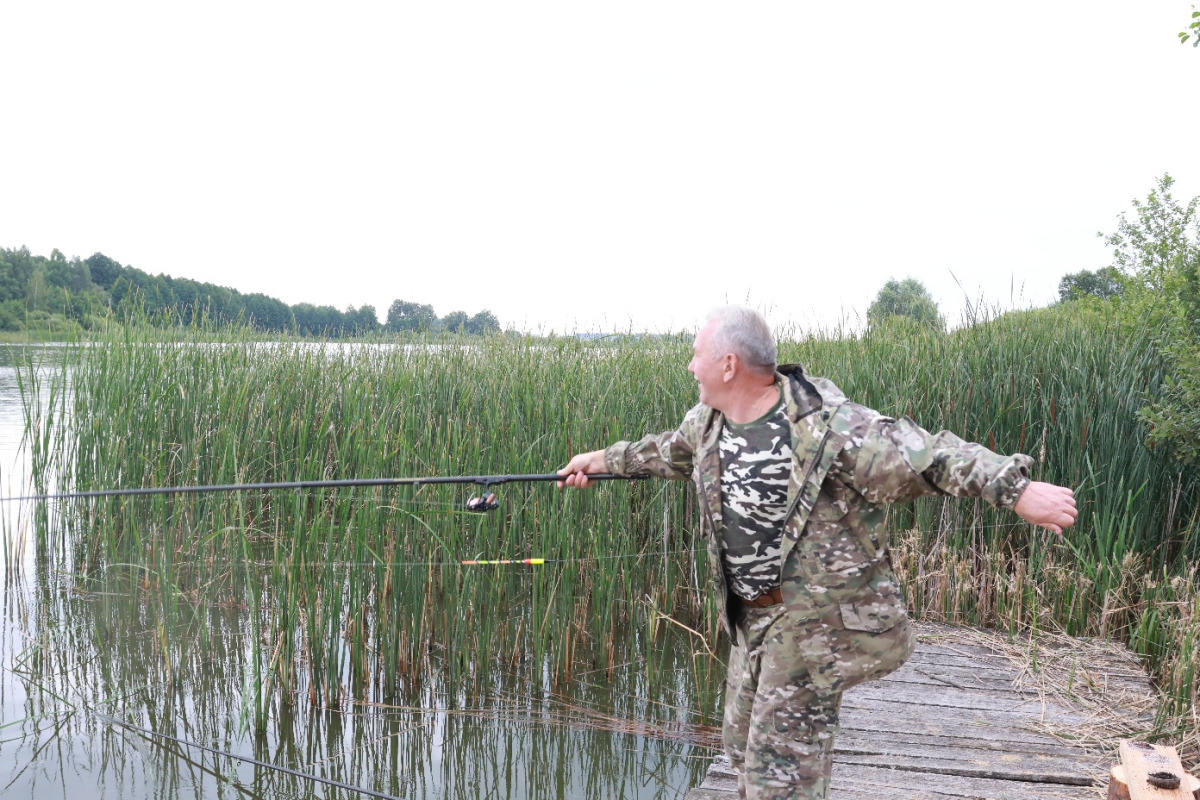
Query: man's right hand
point(577, 469)
point(1048, 506)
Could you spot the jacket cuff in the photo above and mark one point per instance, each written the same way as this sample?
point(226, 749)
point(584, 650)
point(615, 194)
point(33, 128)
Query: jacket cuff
point(1004, 489)
point(616, 459)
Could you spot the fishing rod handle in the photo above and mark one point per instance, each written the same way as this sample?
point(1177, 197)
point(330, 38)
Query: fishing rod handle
point(554, 476)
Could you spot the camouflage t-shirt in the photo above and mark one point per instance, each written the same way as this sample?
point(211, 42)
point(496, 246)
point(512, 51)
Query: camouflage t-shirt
point(756, 460)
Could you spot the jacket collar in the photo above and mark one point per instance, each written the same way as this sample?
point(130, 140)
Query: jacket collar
point(800, 396)
point(803, 395)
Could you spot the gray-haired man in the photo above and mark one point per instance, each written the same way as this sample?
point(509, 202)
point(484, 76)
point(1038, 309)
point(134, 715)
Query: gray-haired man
point(793, 482)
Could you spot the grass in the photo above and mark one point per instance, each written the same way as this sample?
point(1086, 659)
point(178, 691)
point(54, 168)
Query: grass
point(357, 596)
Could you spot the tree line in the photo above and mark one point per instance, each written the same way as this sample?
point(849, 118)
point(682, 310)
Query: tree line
point(58, 294)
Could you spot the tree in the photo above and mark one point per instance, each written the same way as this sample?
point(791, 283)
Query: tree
point(12, 281)
point(11, 314)
point(104, 270)
point(1103, 283)
point(483, 323)
point(57, 269)
point(405, 316)
point(455, 321)
point(907, 298)
point(267, 313)
point(36, 290)
point(1160, 252)
point(1154, 248)
point(362, 321)
point(80, 278)
point(1192, 30)
point(313, 320)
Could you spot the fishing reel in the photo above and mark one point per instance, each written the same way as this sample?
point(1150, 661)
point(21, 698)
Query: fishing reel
point(483, 503)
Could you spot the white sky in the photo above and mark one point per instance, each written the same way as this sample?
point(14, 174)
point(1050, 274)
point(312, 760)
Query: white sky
point(594, 166)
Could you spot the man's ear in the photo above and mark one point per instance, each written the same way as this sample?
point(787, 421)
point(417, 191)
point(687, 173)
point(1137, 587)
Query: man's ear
point(729, 367)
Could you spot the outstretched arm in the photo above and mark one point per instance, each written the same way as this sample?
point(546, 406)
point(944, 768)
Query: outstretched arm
point(896, 460)
point(667, 455)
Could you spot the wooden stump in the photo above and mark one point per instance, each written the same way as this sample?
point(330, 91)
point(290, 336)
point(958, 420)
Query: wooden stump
point(1148, 772)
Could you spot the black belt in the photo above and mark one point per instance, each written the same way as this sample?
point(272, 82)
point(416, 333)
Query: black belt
point(769, 598)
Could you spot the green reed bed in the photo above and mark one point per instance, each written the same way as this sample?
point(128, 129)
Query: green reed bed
point(357, 595)
point(353, 594)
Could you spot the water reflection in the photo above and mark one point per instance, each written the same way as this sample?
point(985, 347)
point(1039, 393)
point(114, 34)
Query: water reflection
point(77, 650)
point(73, 654)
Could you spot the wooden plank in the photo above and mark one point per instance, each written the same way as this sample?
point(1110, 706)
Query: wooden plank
point(936, 729)
point(1126, 669)
point(710, 794)
point(720, 777)
point(857, 782)
point(996, 714)
point(959, 678)
point(947, 697)
point(1002, 675)
point(1006, 683)
point(967, 764)
point(866, 740)
point(986, 665)
point(1102, 668)
point(1004, 763)
point(974, 737)
point(1143, 761)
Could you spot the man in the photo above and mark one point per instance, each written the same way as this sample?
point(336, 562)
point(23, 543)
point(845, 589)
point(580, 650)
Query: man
point(793, 482)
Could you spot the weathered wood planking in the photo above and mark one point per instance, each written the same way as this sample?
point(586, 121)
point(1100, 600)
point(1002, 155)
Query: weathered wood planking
point(955, 723)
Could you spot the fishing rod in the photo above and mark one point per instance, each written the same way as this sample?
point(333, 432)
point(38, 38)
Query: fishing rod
point(486, 501)
point(297, 773)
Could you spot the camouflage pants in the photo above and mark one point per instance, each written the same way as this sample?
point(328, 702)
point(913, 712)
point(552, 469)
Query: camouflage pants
point(778, 730)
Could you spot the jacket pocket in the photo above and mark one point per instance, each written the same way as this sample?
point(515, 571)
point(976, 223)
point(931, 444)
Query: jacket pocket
point(875, 637)
point(873, 611)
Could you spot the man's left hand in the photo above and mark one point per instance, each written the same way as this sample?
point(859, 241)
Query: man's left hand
point(1048, 506)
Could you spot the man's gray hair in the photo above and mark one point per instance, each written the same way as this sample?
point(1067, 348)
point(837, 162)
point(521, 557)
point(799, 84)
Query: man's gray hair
point(745, 333)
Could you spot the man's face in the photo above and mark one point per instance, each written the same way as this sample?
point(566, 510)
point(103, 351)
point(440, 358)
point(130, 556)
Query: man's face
point(707, 367)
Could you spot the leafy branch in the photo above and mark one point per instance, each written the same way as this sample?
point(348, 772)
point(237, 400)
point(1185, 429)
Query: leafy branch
point(1193, 30)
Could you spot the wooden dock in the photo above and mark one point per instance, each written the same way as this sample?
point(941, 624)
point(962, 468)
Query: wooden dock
point(976, 715)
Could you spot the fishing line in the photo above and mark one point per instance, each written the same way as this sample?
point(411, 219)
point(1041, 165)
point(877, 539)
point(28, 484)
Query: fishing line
point(581, 560)
point(246, 759)
point(459, 563)
point(587, 559)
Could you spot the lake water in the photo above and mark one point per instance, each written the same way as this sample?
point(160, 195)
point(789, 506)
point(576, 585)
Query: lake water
point(74, 655)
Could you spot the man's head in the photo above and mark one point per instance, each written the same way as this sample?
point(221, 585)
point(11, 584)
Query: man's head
point(734, 353)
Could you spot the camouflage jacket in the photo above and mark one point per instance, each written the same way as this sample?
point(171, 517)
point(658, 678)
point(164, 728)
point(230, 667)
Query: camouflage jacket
point(848, 463)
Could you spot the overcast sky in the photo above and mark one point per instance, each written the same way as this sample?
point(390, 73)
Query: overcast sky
point(594, 166)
